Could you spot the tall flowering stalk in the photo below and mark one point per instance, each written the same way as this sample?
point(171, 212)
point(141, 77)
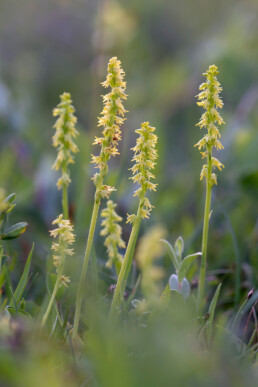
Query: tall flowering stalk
point(112, 117)
point(112, 230)
point(61, 248)
point(209, 99)
point(63, 140)
point(144, 158)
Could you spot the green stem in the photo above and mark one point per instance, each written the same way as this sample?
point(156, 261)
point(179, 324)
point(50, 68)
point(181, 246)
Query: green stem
point(65, 197)
point(53, 296)
point(85, 267)
point(201, 286)
point(126, 265)
point(65, 203)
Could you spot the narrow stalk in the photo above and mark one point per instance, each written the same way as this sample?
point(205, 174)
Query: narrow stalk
point(53, 296)
point(65, 202)
point(85, 267)
point(126, 265)
point(205, 235)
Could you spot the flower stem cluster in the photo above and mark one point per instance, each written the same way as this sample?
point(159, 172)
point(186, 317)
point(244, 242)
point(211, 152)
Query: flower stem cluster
point(145, 155)
point(113, 233)
point(64, 233)
point(112, 117)
point(63, 138)
point(209, 99)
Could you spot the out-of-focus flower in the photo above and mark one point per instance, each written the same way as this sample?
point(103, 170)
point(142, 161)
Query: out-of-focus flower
point(65, 235)
point(148, 251)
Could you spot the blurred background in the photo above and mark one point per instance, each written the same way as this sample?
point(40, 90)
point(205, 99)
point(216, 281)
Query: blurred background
point(51, 46)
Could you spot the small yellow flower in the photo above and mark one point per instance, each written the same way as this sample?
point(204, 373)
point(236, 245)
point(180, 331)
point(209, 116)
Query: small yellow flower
point(65, 235)
point(210, 100)
point(65, 280)
point(63, 138)
point(112, 117)
point(113, 233)
point(144, 158)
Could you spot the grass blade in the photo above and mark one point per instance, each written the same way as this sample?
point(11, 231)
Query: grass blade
point(212, 312)
point(23, 281)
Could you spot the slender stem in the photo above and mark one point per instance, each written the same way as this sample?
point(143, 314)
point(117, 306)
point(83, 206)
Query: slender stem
point(85, 267)
point(53, 296)
point(65, 197)
point(65, 202)
point(201, 286)
point(126, 265)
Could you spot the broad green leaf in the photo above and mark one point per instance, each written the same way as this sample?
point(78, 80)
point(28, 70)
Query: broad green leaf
point(211, 312)
point(23, 281)
point(179, 248)
point(185, 265)
point(171, 253)
point(15, 231)
point(176, 299)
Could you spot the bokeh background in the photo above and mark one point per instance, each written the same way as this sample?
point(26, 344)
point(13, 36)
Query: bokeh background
point(51, 46)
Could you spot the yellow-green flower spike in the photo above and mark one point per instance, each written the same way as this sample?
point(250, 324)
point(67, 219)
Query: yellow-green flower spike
point(64, 233)
point(144, 158)
point(112, 117)
point(210, 100)
point(113, 233)
point(61, 248)
point(63, 138)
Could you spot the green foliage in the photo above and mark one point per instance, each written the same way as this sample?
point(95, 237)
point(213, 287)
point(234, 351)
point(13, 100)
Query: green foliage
point(156, 337)
point(23, 282)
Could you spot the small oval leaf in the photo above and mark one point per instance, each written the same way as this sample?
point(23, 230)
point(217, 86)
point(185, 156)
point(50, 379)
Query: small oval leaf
point(173, 282)
point(15, 231)
point(185, 265)
point(185, 288)
point(179, 248)
point(10, 198)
